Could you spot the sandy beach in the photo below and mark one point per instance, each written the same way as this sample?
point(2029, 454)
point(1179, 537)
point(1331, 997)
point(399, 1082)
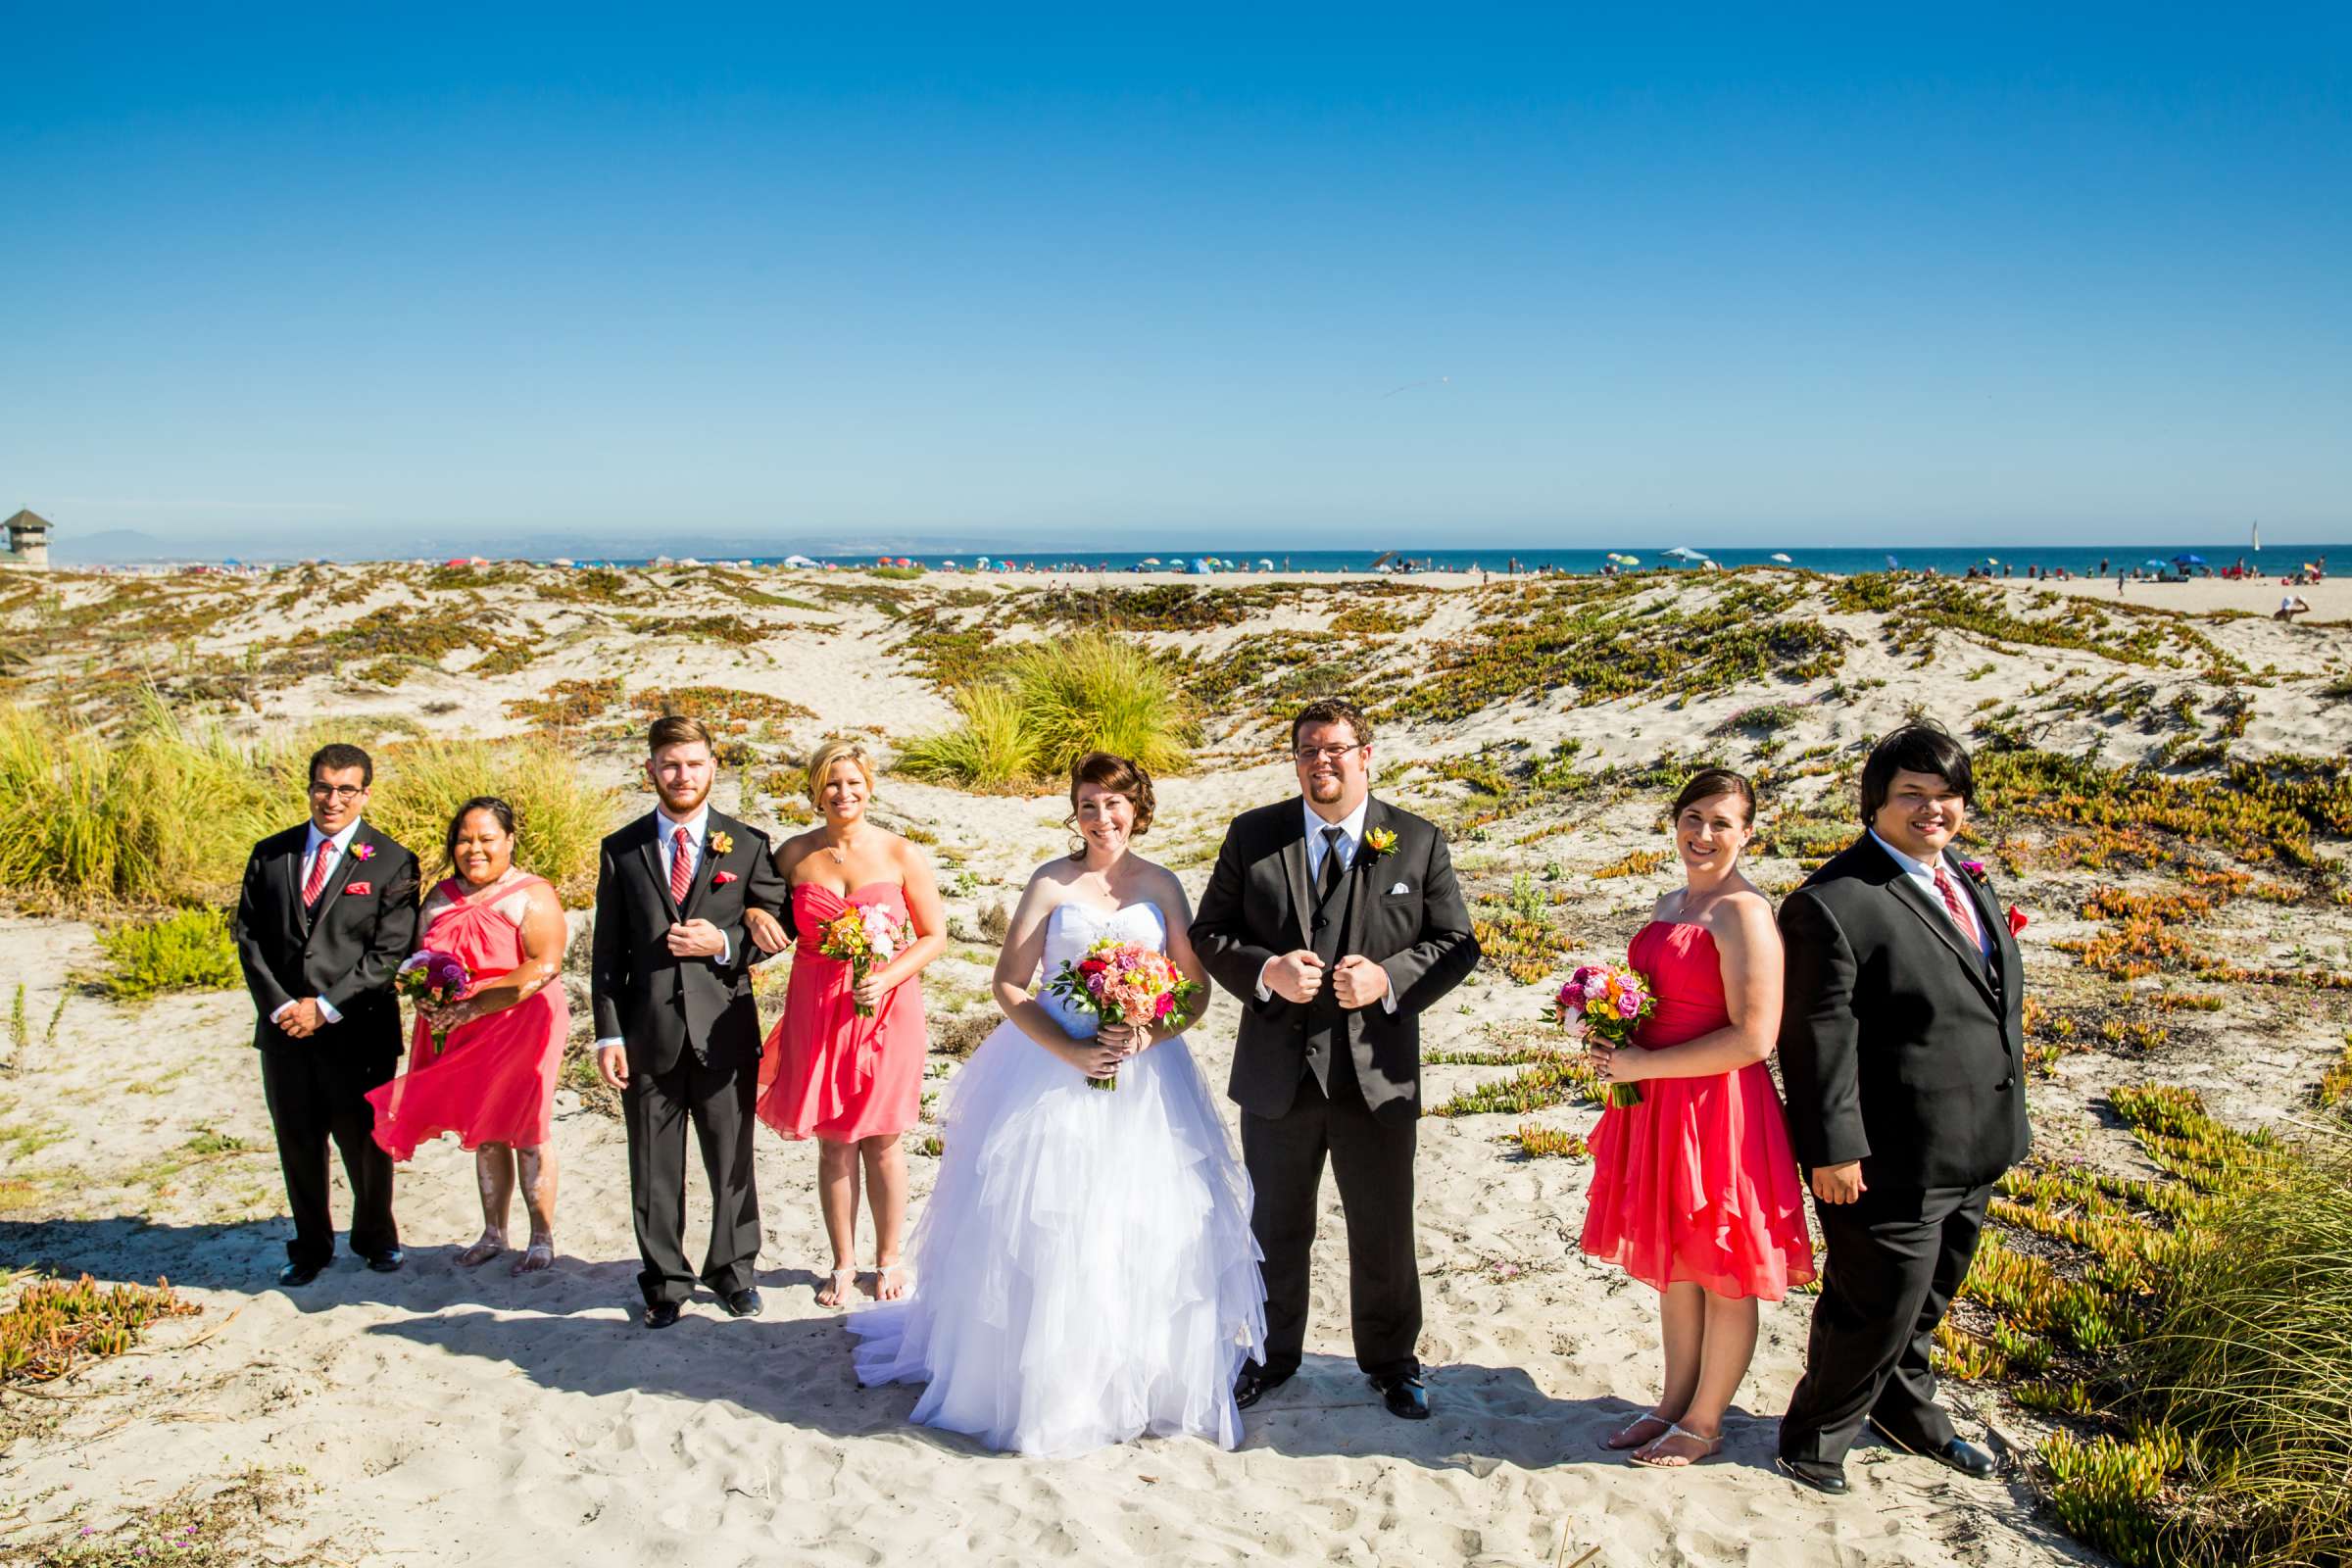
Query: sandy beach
point(441, 1416)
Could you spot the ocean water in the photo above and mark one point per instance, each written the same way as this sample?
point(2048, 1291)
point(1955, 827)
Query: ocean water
point(2082, 560)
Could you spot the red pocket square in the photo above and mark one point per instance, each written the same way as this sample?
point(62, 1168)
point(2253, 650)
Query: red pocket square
point(2017, 919)
point(359, 887)
point(719, 879)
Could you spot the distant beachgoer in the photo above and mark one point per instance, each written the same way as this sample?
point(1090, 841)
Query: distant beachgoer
point(2290, 608)
point(328, 913)
point(2119, 585)
point(491, 1077)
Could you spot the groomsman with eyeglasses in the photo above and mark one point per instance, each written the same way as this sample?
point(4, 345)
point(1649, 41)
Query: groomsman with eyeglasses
point(327, 915)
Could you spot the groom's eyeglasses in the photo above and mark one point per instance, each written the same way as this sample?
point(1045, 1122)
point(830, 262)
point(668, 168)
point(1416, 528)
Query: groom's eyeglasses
point(339, 792)
point(1307, 754)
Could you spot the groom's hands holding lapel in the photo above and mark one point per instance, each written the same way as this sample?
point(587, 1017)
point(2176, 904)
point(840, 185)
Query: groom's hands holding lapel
point(1296, 977)
point(1358, 982)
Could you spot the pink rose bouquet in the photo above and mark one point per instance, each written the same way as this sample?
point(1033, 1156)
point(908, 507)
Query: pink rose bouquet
point(432, 979)
point(1125, 982)
point(1610, 1001)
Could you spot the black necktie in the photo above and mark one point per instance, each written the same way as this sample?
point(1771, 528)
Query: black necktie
point(1329, 881)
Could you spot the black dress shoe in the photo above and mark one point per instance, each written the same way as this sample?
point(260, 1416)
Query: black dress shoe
point(1822, 1475)
point(660, 1314)
point(297, 1274)
point(1254, 1383)
point(388, 1262)
point(744, 1302)
point(1404, 1396)
point(1953, 1453)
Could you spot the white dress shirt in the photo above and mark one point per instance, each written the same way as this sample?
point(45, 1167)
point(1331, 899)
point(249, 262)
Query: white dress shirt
point(335, 849)
point(1923, 876)
point(666, 833)
point(1352, 839)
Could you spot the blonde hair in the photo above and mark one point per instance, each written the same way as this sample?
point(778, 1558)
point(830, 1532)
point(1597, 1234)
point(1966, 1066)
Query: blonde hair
point(820, 766)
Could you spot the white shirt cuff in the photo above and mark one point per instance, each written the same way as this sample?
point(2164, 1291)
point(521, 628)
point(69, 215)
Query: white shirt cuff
point(1387, 1001)
point(602, 1044)
point(284, 1009)
point(326, 1010)
point(1265, 992)
point(726, 946)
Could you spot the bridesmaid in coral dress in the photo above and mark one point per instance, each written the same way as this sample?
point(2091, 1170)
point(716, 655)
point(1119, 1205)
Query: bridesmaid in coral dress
point(854, 1083)
point(1695, 1191)
point(493, 1080)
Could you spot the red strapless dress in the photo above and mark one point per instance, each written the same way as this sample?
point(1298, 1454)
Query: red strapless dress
point(1697, 1183)
point(827, 1072)
point(494, 1081)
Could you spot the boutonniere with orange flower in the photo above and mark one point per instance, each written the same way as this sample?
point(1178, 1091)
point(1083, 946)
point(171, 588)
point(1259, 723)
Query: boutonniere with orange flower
point(362, 851)
point(1380, 841)
point(722, 844)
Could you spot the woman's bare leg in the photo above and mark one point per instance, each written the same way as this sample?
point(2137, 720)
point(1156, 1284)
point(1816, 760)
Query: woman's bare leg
point(884, 1159)
point(837, 1197)
point(537, 1169)
point(494, 1175)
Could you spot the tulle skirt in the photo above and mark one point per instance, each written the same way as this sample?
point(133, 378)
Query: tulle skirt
point(1084, 1272)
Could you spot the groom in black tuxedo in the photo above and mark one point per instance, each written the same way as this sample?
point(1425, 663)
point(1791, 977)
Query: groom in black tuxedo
point(677, 1029)
point(326, 916)
point(1902, 1033)
point(1335, 919)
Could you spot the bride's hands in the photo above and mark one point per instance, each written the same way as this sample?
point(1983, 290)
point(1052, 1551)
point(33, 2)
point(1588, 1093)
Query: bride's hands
point(1097, 1057)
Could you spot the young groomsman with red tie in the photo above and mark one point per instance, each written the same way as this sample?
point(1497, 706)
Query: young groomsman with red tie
point(327, 915)
point(1902, 1039)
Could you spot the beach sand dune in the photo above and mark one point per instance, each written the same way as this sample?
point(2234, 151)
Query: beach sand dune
point(441, 1416)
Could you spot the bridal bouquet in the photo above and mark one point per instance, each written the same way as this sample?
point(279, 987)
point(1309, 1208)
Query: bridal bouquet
point(861, 935)
point(1125, 982)
point(432, 979)
point(1610, 1003)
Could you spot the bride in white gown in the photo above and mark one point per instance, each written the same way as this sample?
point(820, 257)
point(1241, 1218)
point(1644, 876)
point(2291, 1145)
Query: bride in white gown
point(1084, 1269)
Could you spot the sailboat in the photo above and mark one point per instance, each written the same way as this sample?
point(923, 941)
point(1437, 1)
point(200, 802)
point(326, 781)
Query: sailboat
point(2258, 537)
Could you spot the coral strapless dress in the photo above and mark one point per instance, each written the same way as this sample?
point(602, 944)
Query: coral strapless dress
point(1697, 1183)
point(827, 1072)
point(494, 1080)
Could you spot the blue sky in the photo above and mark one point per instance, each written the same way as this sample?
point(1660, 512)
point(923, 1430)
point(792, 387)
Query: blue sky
point(1252, 275)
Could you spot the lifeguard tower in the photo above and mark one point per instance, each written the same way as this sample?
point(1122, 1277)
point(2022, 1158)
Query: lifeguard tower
point(27, 541)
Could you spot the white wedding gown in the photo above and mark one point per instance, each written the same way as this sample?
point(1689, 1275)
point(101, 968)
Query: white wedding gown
point(1084, 1271)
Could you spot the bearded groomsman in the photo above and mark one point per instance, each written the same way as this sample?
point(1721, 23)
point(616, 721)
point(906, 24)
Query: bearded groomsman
point(1902, 1039)
point(677, 1029)
point(328, 914)
point(1336, 919)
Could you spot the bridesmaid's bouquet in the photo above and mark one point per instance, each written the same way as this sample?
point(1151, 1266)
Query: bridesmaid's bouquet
point(432, 979)
point(1125, 982)
point(861, 935)
point(1610, 1003)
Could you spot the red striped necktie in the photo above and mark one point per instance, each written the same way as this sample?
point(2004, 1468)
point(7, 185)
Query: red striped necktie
point(320, 862)
point(1956, 907)
point(681, 866)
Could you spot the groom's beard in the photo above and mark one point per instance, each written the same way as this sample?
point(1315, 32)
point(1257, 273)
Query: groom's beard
point(680, 810)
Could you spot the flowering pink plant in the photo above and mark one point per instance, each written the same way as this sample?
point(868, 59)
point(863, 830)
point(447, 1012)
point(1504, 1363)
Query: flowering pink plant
point(432, 979)
point(1610, 1003)
point(1125, 982)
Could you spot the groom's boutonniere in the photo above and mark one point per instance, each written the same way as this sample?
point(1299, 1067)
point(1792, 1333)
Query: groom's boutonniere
point(1975, 871)
point(1380, 841)
point(362, 851)
point(722, 844)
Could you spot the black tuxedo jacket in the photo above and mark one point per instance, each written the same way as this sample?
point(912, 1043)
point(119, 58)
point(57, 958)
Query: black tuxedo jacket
point(660, 1006)
point(345, 951)
point(1258, 906)
point(1897, 1049)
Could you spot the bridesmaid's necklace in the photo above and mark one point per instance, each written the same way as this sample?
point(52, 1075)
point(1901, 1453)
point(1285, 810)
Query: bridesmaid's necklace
point(840, 851)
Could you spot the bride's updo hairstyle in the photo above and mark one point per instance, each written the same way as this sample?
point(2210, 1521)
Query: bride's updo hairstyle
point(1709, 782)
point(820, 766)
point(1120, 775)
